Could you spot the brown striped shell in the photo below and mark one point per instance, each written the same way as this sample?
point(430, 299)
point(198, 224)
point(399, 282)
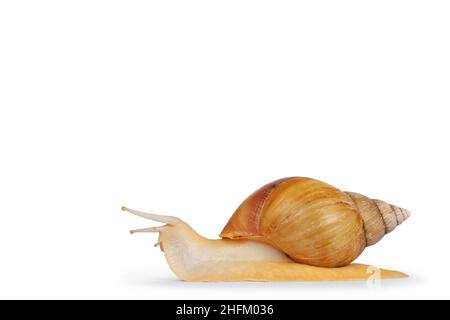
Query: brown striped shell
point(313, 222)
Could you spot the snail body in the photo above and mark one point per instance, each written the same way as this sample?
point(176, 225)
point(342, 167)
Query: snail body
point(292, 229)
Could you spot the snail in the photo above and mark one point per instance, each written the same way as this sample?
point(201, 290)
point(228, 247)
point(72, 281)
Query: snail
point(292, 229)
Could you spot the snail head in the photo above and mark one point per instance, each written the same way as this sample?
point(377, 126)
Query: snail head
point(171, 224)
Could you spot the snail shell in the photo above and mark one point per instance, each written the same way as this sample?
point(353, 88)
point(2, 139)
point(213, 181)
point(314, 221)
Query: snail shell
point(313, 222)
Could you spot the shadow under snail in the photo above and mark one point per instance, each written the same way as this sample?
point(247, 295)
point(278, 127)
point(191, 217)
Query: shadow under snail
point(292, 229)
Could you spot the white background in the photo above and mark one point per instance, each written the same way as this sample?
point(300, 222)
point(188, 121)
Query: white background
point(186, 107)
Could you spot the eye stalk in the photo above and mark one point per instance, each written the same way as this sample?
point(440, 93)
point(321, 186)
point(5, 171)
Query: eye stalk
point(154, 217)
point(148, 230)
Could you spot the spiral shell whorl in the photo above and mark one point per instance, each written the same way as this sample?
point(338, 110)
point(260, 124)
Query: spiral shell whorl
point(379, 217)
point(313, 222)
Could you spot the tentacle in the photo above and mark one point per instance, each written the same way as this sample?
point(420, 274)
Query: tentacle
point(154, 217)
point(148, 230)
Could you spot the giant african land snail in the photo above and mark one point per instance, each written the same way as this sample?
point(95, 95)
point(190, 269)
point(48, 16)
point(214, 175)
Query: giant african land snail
point(292, 229)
